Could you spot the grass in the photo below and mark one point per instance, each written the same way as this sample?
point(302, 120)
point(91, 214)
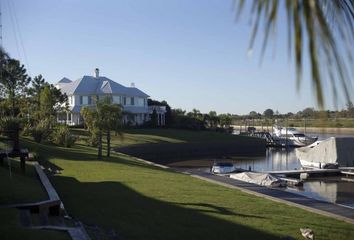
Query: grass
point(16, 189)
point(144, 202)
point(19, 188)
point(147, 136)
point(10, 228)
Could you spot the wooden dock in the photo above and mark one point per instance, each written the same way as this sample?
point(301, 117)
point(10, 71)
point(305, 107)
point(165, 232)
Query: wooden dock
point(310, 172)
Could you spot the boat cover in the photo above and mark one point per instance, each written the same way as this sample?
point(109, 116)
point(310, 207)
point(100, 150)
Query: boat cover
point(338, 150)
point(263, 179)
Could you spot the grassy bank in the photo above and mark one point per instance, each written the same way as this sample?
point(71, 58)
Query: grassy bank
point(170, 145)
point(16, 189)
point(147, 136)
point(143, 202)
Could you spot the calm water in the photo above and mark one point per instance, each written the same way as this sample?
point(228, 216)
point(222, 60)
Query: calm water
point(338, 190)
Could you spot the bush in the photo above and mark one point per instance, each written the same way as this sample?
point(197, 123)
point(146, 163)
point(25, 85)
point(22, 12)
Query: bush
point(92, 140)
point(41, 131)
point(63, 137)
point(9, 125)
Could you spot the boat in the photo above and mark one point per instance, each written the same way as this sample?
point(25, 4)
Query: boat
point(222, 168)
point(334, 152)
point(291, 137)
point(262, 179)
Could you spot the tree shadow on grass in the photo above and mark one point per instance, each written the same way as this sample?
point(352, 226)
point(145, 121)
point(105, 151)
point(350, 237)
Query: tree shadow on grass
point(112, 205)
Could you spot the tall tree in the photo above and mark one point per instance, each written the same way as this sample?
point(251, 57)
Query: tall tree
point(38, 83)
point(105, 117)
point(324, 27)
point(14, 81)
point(268, 113)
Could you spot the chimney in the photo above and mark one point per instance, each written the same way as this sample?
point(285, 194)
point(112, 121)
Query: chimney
point(97, 73)
point(132, 85)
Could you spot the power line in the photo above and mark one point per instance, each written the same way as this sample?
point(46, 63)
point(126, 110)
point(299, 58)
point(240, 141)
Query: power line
point(20, 37)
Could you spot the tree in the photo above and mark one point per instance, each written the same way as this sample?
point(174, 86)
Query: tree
point(350, 109)
point(268, 113)
point(104, 117)
point(308, 113)
point(225, 120)
point(154, 120)
point(109, 118)
point(213, 119)
point(38, 83)
point(47, 103)
point(13, 80)
point(253, 114)
point(325, 27)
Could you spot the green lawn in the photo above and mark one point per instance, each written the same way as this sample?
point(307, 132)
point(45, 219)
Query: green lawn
point(10, 228)
point(16, 189)
point(19, 188)
point(143, 202)
point(144, 136)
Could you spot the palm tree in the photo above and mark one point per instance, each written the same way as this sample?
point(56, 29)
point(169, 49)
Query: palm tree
point(324, 27)
point(104, 117)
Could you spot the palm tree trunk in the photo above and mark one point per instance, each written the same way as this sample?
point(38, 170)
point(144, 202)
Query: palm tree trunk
point(108, 143)
point(99, 145)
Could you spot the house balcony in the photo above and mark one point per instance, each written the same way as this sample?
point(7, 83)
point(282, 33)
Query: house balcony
point(158, 109)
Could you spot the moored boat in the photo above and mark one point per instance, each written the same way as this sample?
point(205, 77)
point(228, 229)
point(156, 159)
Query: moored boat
point(291, 137)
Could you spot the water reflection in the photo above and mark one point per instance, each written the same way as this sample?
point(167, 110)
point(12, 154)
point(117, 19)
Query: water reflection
point(338, 190)
point(275, 159)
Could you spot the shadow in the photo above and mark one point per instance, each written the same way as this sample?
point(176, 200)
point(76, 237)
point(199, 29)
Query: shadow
point(112, 205)
point(79, 152)
point(210, 208)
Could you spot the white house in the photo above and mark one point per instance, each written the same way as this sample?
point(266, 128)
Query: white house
point(83, 92)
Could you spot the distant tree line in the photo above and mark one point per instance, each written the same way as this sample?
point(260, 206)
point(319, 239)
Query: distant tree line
point(194, 120)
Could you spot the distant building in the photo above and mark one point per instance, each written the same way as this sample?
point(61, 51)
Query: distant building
point(85, 90)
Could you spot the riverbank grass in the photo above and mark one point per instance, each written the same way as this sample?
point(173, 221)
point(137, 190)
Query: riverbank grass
point(131, 137)
point(140, 201)
point(17, 189)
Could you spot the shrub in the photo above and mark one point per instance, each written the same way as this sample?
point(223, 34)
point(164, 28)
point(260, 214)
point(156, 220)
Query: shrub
point(10, 125)
point(63, 137)
point(92, 140)
point(41, 131)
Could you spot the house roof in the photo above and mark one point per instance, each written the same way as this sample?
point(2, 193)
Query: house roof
point(65, 80)
point(98, 86)
point(77, 109)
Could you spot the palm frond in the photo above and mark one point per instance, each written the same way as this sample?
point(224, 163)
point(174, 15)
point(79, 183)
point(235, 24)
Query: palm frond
point(322, 30)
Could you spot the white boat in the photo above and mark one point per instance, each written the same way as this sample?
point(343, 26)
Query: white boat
point(333, 152)
point(222, 168)
point(262, 179)
point(291, 137)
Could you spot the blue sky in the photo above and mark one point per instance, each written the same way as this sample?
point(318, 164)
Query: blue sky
point(190, 53)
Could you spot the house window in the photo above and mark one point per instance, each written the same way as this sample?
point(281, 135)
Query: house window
point(116, 99)
point(132, 101)
point(84, 100)
point(125, 101)
point(80, 100)
point(89, 100)
point(140, 102)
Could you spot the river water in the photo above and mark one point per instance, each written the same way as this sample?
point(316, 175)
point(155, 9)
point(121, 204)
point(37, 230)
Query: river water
point(339, 189)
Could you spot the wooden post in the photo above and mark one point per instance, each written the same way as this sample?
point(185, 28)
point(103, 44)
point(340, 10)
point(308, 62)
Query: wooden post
point(23, 164)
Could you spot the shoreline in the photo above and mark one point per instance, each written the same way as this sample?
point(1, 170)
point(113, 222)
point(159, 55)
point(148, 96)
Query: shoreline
point(308, 129)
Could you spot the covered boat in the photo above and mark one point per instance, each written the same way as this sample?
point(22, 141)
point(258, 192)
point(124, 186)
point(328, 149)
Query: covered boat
point(330, 153)
point(263, 179)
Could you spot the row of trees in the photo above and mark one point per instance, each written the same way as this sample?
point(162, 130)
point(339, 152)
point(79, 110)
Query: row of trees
point(30, 104)
point(196, 120)
point(312, 113)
